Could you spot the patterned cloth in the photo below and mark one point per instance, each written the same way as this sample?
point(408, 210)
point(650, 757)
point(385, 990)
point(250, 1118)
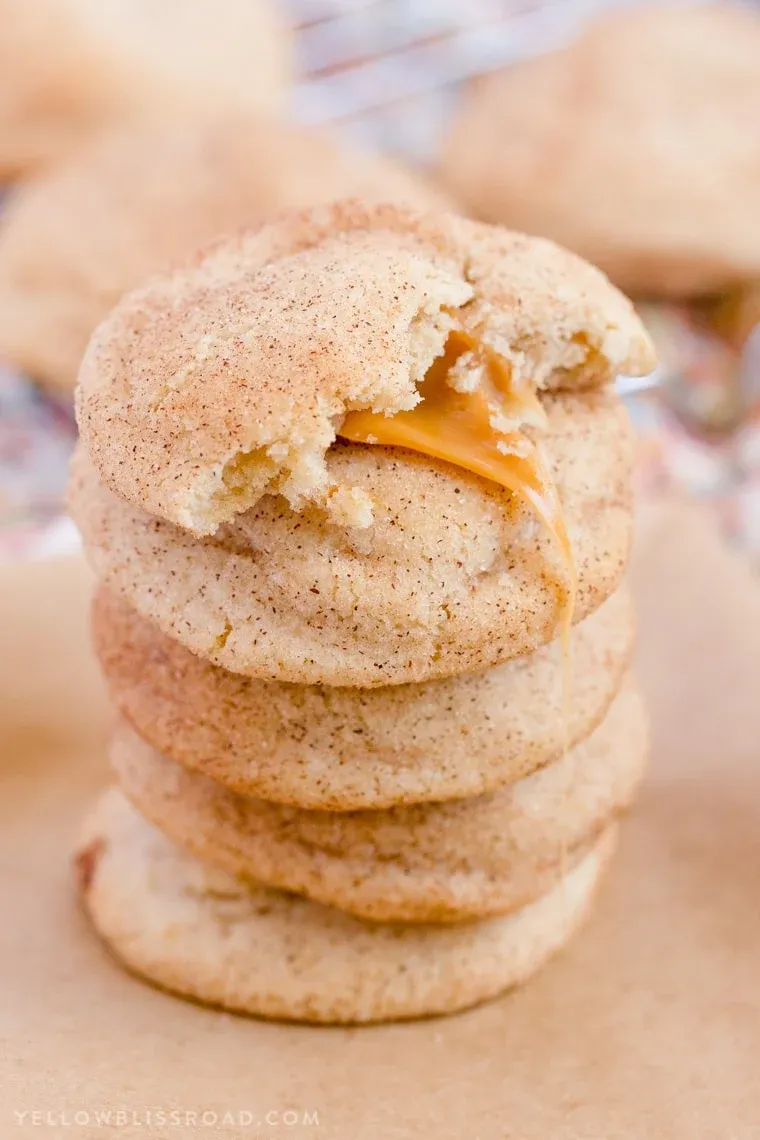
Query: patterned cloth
point(389, 71)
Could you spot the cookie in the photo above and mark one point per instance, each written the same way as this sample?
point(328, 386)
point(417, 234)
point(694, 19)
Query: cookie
point(231, 378)
point(71, 70)
point(425, 863)
point(340, 749)
point(210, 937)
point(77, 237)
point(455, 574)
point(636, 146)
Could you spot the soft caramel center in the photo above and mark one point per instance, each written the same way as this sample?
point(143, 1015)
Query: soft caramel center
point(480, 430)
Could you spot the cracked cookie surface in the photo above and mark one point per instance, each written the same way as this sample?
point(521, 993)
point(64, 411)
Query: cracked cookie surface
point(338, 749)
point(230, 378)
point(455, 574)
point(449, 862)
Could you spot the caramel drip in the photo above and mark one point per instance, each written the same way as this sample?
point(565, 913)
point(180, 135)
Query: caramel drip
point(465, 428)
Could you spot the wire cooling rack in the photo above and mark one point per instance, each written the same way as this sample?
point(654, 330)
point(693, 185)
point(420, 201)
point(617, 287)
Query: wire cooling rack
point(389, 70)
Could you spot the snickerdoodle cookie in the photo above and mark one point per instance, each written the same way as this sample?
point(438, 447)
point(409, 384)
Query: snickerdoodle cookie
point(340, 749)
point(232, 377)
point(637, 146)
point(454, 575)
point(71, 70)
point(77, 237)
point(422, 863)
point(212, 937)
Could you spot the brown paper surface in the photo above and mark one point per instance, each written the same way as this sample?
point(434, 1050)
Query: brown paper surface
point(647, 1026)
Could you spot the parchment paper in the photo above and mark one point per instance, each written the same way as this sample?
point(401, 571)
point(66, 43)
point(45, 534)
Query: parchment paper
point(648, 1026)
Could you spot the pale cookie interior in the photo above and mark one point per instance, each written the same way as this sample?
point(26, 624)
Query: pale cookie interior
point(455, 398)
point(232, 378)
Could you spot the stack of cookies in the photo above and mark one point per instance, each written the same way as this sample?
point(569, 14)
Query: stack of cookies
point(345, 481)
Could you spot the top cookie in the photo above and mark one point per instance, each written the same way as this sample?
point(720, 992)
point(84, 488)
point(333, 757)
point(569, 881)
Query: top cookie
point(638, 146)
point(77, 237)
point(72, 69)
point(231, 378)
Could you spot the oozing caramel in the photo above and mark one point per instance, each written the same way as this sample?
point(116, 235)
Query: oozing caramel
point(480, 430)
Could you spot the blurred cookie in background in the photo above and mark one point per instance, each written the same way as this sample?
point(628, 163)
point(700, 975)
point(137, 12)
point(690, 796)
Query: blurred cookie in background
point(72, 69)
point(638, 146)
point(74, 239)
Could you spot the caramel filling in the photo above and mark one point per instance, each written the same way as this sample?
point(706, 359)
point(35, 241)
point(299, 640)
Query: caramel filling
point(481, 430)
